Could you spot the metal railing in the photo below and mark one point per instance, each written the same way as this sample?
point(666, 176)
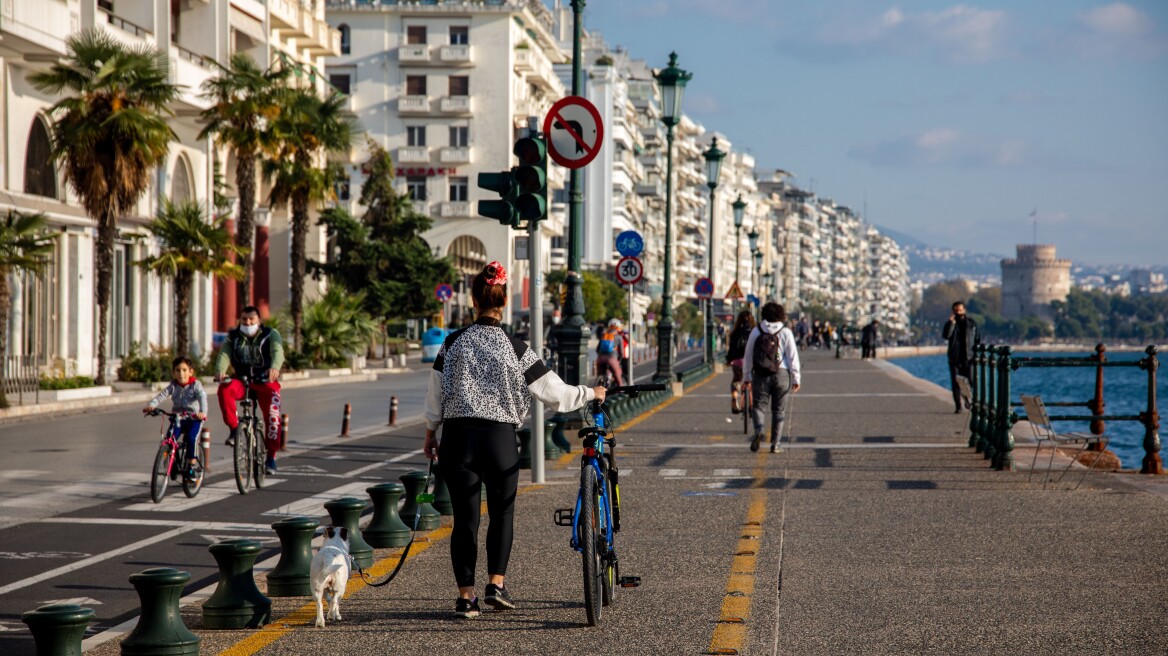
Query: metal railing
point(127, 26)
point(21, 379)
point(992, 413)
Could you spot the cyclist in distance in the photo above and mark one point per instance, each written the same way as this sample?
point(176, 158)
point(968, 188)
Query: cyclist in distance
point(480, 391)
point(609, 350)
point(186, 394)
point(256, 351)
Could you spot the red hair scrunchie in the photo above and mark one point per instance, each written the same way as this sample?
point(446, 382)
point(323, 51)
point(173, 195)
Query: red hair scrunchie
point(495, 274)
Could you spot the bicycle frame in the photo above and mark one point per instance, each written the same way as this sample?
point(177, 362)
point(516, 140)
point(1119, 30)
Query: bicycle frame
point(596, 458)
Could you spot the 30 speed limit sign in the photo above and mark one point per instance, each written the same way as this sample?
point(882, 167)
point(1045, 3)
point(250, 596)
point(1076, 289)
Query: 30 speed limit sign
point(629, 271)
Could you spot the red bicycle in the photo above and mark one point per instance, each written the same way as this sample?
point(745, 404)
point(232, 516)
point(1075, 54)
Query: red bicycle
point(171, 460)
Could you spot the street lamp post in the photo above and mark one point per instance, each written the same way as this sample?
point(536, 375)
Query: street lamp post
point(758, 272)
point(739, 209)
point(672, 81)
point(714, 158)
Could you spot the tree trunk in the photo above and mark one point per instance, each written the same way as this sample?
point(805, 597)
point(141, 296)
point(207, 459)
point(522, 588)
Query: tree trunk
point(245, 184)
point(299, 237)
point(5, 297)
point(107, 226)
point(182, 309)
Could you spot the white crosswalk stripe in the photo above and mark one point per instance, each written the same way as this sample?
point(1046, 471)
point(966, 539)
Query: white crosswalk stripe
point(671, 472)
point(313, 506)
point(175, 501)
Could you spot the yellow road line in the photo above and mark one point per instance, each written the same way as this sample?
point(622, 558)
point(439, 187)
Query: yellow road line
point(730, 631)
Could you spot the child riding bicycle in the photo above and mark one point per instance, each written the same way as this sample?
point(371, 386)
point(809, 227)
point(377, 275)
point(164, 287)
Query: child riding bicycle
point(187, 395)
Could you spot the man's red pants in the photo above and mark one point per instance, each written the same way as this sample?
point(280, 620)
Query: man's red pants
point(268, 394)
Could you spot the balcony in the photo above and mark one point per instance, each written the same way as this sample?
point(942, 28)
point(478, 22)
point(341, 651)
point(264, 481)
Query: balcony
point(189, 69)
point(285, 14)
point(413, 155)
point(651, 188)
point(325, 40)
point(459, 55)
point(455, 209)
point(524, 61)
point(414, 53)
point(559, 257)
point(452, 155)
point(37, 29)
point(455, 105)
point(413, 105)
point(125, 31)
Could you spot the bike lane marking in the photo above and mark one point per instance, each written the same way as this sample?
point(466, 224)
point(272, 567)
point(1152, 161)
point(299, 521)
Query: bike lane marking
point(210, 493)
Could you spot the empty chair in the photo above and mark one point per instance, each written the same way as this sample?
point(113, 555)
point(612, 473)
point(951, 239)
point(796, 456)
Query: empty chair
point(1040, 424)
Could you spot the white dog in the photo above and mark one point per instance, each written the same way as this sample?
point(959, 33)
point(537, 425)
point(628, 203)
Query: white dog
point(330, 572)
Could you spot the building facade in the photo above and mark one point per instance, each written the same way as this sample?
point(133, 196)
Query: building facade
point(1032, 280)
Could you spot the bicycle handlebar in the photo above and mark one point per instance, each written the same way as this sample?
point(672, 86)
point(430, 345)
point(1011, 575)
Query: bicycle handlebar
point(634, 390)
point(176, 415)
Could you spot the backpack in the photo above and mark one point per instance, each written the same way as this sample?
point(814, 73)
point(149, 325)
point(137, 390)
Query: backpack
point(767, 353)
point(608, 342)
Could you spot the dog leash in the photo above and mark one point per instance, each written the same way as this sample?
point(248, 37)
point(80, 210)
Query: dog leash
point(424, 497)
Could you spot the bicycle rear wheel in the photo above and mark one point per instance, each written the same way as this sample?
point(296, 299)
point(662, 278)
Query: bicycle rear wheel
point(259, 458)
point(242, 457)
point(160, 475)
point(588, 524)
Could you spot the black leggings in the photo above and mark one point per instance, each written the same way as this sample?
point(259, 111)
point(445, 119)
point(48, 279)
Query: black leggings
point(474, 452)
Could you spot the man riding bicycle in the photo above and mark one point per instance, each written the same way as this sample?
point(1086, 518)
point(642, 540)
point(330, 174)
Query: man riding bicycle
point(256, 351)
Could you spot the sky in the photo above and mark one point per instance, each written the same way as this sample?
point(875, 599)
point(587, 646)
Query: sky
point(951, 122)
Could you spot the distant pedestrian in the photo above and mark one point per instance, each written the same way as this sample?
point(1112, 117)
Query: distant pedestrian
point(774, 372)
point(802, 330)
point(735, 354)
point(869, 337)
point(480, 391)
point(609, 349)
point(961, 333)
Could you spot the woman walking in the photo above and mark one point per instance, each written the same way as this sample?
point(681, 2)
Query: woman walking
point(735, 352)
point(480, 391)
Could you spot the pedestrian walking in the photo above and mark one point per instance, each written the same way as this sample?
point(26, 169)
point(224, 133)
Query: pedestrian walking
point(961, 333)
point(869, 337)
point(735, 353)
point(480, 391)
point(774, 372)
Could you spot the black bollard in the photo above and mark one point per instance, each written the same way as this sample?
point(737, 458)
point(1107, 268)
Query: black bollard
point(160, 628)
point(393, 411)
point(58, 628)
point(289, 578)
point(415, 484)
point(284, 421)
point(386, 529)
point(441, 495)
point(345, 420)
point(346, 512)
point(237, 603)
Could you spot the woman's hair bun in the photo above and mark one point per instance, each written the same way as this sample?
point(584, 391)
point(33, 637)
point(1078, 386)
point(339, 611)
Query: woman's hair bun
point(490, 270)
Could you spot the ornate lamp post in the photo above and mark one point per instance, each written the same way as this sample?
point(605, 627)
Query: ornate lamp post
point(739, 207)
point(758, 271)
point(714, 158)
point(672, 81)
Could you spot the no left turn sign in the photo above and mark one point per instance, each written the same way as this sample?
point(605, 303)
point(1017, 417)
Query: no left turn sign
point(574, 131)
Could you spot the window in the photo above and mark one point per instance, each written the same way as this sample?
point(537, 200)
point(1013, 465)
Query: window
point(459, 85)
point(342, 189)
point(459, 136)
point(415, 85)
point(459, 35)
point(40, 178)
point(341, 82)
point(416, 187)
point(181, 187)
point(345, 44)
point(415, 135)
point(459, 190)
point(416, 34)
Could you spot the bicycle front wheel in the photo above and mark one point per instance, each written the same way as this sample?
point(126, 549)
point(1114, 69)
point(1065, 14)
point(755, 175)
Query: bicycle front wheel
point(608, 571)
point(191, 484)
point(160, 475)
point(242, 453)
point(588, 528)
point(259, 458)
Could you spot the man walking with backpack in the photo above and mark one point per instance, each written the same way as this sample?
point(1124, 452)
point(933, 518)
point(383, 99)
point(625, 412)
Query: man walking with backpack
point(773, 374)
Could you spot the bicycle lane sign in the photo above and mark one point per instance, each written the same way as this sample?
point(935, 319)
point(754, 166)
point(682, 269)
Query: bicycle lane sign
point(575, 132)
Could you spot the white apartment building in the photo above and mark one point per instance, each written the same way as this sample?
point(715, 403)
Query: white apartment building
point(446, 89)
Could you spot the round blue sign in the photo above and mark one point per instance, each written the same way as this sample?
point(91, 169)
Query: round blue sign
point(444, 292)
point(704, 287)
point(629, 243)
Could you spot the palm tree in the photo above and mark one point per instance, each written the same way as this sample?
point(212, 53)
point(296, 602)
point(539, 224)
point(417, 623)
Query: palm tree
point(243, 103)
point(191, 246)
point(110, 133)
point(306, 129)
point(24, 246)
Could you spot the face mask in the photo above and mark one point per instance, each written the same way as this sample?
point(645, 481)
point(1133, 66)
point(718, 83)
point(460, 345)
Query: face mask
point(251, 330)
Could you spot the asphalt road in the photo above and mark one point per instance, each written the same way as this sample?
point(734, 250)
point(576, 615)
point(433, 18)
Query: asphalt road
point(76, 519)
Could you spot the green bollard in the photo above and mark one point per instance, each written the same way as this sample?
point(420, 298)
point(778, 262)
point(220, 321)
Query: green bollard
point(236, 603)
point(58, 628)
point(386, 529)
point(524, 435)
point(289, 578)
point(160, 630)
point(441, 501)
point(346, 512)
point(550, 450)
point(415, 483)
point(556, 430)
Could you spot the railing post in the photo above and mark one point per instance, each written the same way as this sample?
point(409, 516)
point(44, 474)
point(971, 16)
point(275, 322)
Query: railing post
point(1151, 418)
point(984, 443)
point(976, 390)
point(1097, 404)
point(1003, 459)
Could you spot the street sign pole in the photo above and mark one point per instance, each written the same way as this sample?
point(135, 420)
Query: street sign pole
point(632, 365)
point(535, 338)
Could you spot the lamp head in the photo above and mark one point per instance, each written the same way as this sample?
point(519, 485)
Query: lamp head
point(672, 81)
point(739, 210)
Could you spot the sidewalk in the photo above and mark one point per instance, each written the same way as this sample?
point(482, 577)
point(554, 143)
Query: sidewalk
point(876, 531)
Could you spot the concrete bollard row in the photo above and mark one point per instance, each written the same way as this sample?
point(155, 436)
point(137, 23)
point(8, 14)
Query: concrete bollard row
point(428, 518)
point(289, 578)
point(160, 629)
point(58, 629)
point(236, 603)
point(386, 529)
point(346, 512)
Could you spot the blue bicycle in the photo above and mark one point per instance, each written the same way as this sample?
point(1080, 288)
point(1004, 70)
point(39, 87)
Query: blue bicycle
point(596, 518)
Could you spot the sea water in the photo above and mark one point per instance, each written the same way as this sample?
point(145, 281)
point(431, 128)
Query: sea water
point(1125, 392)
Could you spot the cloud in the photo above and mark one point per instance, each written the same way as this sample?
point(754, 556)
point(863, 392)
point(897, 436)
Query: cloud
point(941, 147)
point(958, 33)
point(1119, 19)
point(1113, 31)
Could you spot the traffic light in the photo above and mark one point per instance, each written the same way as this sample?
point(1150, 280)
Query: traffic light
point(503, 211)
point(531, 178)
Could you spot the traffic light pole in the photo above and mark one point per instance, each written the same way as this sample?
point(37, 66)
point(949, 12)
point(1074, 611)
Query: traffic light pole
point(535, 336)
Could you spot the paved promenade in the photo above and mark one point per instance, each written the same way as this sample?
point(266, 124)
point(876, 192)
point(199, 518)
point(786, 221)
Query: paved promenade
point(874, 531)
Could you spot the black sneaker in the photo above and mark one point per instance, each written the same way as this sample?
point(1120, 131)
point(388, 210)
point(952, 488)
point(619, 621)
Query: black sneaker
point(231, 437)
point(466, 608)
point(498, 597)
point(754, 441)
